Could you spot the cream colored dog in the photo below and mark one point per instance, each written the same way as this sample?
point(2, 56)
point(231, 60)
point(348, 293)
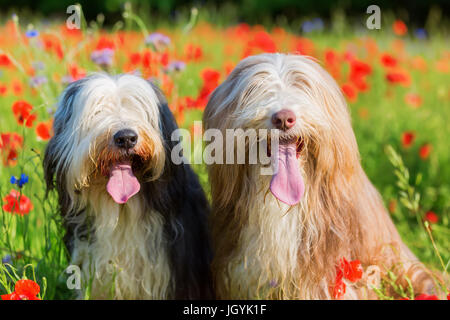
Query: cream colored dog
point(286, 243)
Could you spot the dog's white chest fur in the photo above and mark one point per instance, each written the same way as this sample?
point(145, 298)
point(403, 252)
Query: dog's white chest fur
point(266, 262)
point(128, 257)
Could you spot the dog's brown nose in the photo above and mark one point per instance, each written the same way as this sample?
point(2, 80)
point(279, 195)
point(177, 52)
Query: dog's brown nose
point(283, 119)
point(125, 139)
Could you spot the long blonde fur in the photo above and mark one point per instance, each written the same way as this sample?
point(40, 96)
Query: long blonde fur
point(266, 249)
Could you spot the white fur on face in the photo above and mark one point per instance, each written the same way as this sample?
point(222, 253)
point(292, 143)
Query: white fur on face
point(103, 106)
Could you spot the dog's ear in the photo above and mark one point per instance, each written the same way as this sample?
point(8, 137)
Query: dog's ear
point(66, 104)
point(340, 156)
point(53, 155)
point(167, 121)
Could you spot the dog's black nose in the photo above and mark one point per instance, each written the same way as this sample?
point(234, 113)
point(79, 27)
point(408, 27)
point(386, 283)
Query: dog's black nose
point(125, 139)
point(283, 119)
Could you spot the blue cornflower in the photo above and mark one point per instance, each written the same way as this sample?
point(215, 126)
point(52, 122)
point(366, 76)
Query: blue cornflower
point(312, 25)
point(38, 81)
point(103, 57)
point(158, 40)
point(420, 33)
point(7, 259)
point(21, 181)
point(31, 33)
point(176, 66)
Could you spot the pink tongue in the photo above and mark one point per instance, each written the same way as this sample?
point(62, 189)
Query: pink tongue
point(287, 184)
point(122, 184)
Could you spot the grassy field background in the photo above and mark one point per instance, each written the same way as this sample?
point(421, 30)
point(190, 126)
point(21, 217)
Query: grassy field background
point(396, 81)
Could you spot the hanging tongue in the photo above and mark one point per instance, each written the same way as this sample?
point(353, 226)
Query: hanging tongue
point(287, 184)
point(122, 184)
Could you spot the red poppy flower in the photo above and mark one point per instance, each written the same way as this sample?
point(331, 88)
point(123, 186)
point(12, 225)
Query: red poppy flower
point(52, 43)
point(198, 53)
point(5, 61)
point(388, 61)
point(304, 46)
point(399, 77)
point(59, 51)
point(332, 62)
point(350, 91)
point(210, 77)
point(3, 89)
point(263, 41)
point(22, 112)
point(104, 43)
point(76, 72)
point(11, 140)
point(448, 296)
point(167, 85)
point(43, 130)
point(399, 28)
point(331, 57)
point(358, 72)
point(9, 143)
point(17, 87)
point(76, 33)
point(135, 58)
point(242, 29)
point(425, 150)
point(431, 217)
point(146, 59)
point(17, 203)
point(424, 296)
point(413, 99)
point(189, 102)
point(210, 82)
point(408, 138)
point(352, 270)
point(165, 59)
point(193, 52)
point(24, 290)
point(359, 81)
point(359, 67)
point(339, 289)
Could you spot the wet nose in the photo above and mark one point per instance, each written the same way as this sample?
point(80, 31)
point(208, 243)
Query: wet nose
point(283, 119)
point(125, 139)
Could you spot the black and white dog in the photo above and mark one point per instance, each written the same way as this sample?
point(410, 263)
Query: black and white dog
point(135, 222)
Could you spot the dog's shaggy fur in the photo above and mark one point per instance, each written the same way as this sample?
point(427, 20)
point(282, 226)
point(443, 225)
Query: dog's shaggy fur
point(267, 249)
point(156, 245)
